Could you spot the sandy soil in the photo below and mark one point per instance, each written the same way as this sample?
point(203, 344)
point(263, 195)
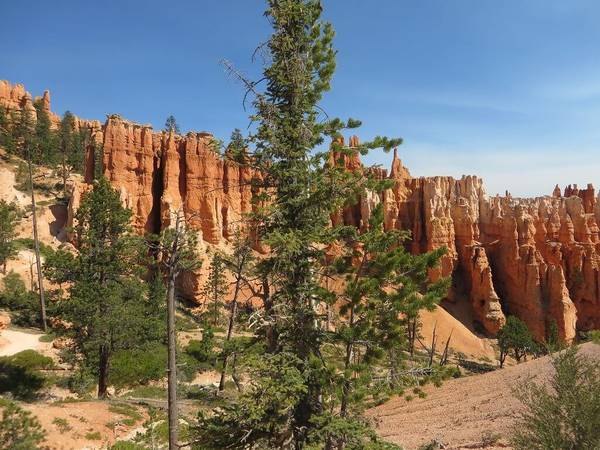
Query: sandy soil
point(463, 410)
point(15, 341)
point(83, 418)
point(463, 339)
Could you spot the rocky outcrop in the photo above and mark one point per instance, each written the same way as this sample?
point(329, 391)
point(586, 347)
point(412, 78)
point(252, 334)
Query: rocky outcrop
point(160, 173)
point(537, 259)
point(14, 97)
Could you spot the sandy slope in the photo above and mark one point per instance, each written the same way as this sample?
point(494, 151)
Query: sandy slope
point(16, 341)
point(461, 411)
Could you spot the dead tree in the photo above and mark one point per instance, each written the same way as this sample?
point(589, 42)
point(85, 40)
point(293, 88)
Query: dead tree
point(176, 251)
point(36, 241)
point(237, 264)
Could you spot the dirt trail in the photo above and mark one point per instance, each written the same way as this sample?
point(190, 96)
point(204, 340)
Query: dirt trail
point(462, 411)
point(15, 341)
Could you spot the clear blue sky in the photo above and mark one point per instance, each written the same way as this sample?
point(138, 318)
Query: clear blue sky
point(508, 90)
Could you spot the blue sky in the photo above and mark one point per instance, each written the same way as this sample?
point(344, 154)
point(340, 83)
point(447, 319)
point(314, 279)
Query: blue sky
point(506, 90)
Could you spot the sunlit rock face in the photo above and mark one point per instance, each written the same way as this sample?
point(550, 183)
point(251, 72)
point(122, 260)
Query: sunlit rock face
point(537, 259)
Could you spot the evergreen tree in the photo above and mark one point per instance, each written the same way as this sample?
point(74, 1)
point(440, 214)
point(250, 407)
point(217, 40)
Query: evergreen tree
point(5, 130)
point(236, 149)
point(566, 414)
point(215, 288)
point(29, 149)
point(299, 189)
point(238, 264)
point(176, 251)
point(45, 139)
point(19, 430)
point(73, 145)
point(171, 125)
point(108, 306)
point(23, 136)
point(8, 223)
point(515, 336)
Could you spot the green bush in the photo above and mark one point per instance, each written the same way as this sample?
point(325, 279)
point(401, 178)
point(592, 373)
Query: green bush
point(18, 299)
point(19, 374)
point(19, 430)
point(127, 445)
point(203, 350)
point(138, 366)
point(565, 415)
point(593, 335)
point(30, 359)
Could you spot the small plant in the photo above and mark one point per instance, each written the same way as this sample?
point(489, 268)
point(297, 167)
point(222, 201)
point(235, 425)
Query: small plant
point(489, 438)
point(93, 436)
point(62, 424)
point(130, 412)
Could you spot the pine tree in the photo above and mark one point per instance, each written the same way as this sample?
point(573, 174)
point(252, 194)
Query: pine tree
point(296, 403)
point(215, 288)
point(5, 130)
point(29, 149)
point(515, 336)
point(19, 430)
point(171, 125)
point(176, 251)
point(45, 138)
point(236, 149)
point(72, 147)
point(238, 264)
point(108, 305)
point(8, 222)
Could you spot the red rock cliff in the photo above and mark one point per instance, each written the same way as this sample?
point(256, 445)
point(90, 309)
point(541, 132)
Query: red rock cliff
point(537, 259)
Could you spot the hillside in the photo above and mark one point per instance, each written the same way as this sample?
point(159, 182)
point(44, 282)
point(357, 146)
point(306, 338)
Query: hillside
point(464, 412)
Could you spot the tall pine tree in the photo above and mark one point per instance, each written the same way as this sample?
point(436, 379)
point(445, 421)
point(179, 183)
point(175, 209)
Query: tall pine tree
point(302, 394)
point(108, 305)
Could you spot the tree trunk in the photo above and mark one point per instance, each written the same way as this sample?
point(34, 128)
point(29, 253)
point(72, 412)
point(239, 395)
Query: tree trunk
point(103, 371)
point(64, 167)
point(347, 361)
point(172, 368)
point(37, 250)
point(229, 331)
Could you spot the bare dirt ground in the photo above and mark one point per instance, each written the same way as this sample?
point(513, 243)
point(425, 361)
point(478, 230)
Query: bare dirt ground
point(81, 425)
point(15, 341)
point(462, 411)
point(462, 339)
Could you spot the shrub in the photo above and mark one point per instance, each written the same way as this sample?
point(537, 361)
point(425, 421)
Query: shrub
point(62, 424)
point(127, 445)
point(22, 302)
point(19, 374)
point(138, 366)
point(203, 350)
point(30, 359)
point(565, 415)
point(93, 436)
point(515, 336)
point(19, 430)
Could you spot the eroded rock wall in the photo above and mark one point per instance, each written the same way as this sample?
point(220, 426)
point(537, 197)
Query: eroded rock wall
point(537, 259)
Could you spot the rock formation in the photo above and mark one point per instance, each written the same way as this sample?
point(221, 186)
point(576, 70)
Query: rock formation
point(537, 259)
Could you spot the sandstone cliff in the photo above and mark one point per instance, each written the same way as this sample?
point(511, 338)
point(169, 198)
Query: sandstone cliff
point(537, 259)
